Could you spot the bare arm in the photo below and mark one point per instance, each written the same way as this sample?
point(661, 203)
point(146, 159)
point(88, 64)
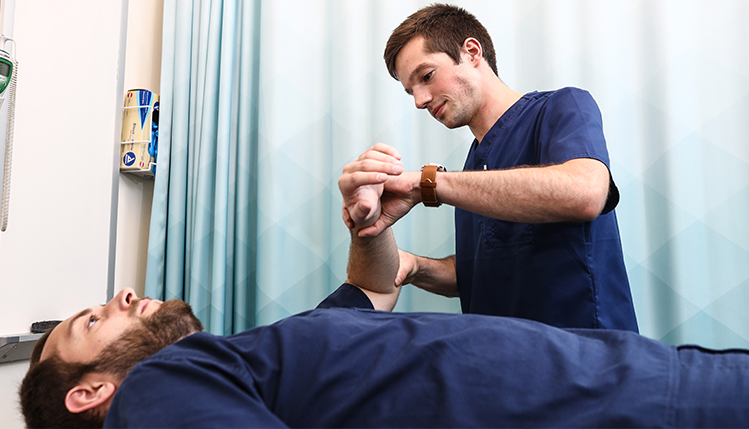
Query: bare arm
point(373, 261)
point(372, 267)
point(433, 275)
point(573, 191)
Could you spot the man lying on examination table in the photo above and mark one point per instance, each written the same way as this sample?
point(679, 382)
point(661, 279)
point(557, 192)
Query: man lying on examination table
point(350, 362)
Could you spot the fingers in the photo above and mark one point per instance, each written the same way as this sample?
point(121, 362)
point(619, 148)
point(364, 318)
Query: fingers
point(379, 158)
point(347, 218)
point(370, 165)
point(350, 182)
point(371, 231)
point(383, 149)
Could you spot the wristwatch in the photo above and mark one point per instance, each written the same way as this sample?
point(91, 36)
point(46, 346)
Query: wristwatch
point(429, 184)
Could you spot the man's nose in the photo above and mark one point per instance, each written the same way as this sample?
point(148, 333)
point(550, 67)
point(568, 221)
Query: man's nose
point(123, 300)
point(422, 98)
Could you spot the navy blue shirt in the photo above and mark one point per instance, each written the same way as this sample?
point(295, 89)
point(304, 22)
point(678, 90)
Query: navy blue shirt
point(341, 365)
point(566, 274)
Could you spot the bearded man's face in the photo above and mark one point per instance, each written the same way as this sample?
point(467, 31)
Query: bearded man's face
point(173, 321)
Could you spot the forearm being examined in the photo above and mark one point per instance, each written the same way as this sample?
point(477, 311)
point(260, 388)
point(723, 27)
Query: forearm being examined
point(373, 265)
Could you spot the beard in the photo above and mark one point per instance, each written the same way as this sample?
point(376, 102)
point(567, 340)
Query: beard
point(463, 107)
point(173, 321)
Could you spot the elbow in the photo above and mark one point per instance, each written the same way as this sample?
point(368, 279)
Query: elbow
point(590, 203)
point(590, 206)
point(590, 184)
point(589, 212)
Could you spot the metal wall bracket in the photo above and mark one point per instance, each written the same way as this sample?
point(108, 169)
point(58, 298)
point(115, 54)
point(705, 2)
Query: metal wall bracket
point(17, 347)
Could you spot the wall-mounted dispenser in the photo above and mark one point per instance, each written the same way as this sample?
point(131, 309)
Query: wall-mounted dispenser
point(140, 133)
point(8, 79)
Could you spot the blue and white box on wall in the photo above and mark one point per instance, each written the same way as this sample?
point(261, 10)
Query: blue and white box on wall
point(140, 133)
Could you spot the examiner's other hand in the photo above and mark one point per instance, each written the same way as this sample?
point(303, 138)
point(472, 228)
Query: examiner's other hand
point(362, 185)
point(407, 269)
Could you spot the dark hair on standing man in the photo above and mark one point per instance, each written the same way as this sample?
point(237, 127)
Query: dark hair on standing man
point(444, 28)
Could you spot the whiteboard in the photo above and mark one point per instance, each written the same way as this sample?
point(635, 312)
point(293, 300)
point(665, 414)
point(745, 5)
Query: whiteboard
point(57, 255)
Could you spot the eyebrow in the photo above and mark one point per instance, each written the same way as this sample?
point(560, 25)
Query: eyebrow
point(75, 318)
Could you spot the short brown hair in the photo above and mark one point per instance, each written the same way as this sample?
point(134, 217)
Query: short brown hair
point(444, 28)
point(45, 384)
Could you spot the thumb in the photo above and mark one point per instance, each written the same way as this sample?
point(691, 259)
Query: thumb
point(361, 212)
point(373, 230)
point(405, 269)
point(401, 276)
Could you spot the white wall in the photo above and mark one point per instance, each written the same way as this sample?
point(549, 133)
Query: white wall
point(142, 71)
point(68, 199)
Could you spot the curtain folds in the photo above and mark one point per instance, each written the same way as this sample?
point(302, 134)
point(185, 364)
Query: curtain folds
point(264, 102)
point(201, 244)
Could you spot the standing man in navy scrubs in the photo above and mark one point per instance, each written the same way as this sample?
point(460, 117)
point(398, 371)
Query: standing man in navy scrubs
point(536, 232)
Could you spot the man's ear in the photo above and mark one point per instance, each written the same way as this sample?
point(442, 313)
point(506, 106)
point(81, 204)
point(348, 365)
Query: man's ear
point(472, 47)
point(93, 390)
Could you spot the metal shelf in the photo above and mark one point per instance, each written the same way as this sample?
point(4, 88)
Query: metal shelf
point(17, 347)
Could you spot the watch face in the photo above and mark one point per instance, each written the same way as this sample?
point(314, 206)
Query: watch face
point(440, 167)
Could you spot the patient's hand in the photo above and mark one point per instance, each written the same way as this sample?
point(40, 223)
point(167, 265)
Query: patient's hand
point(362, 208)
point(362, 184)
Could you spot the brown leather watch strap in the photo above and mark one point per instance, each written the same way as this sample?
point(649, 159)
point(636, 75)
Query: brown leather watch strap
point(429, 184)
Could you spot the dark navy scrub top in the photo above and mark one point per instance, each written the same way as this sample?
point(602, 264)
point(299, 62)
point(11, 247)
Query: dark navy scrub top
point(567, 274)
point(347, 365)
